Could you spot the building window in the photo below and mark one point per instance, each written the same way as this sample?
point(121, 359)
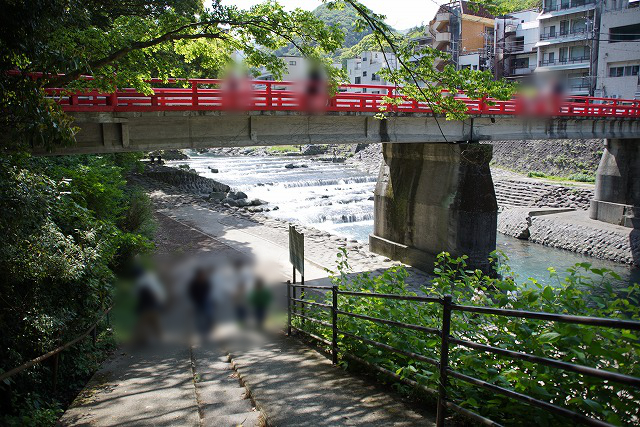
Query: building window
point(520, 63)
point(579, 53)
point(364, 74)
point(629, 70)
point(292, 63)
point(375, 77)
point(357, 80)
point(625, 33)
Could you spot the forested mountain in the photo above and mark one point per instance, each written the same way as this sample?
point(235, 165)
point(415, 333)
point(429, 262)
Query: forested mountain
point(343, 18)
point(355, 42)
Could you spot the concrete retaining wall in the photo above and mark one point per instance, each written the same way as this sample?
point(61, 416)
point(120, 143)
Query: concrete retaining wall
point(562, 157)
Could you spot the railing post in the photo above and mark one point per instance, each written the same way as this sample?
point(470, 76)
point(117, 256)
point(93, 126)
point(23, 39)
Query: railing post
point(288, 308)
point(444, 360)
point(482, 104)
point(302, 311)
point(294, 304)
point(269, 96)
point(54, 371)
point(194, 93)
point(334, 325)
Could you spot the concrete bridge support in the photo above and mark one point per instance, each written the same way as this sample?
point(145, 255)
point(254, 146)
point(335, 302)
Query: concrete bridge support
point(434, 197)
point(617, 193)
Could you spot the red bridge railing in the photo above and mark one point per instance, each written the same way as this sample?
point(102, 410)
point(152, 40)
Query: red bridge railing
point(257, 95)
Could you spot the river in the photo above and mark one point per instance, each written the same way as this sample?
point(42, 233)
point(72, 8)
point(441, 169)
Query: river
point(339, 199)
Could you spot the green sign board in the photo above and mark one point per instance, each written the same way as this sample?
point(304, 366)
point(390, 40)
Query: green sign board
point(296, 249)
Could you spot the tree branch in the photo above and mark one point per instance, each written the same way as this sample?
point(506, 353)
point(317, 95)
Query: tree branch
point(67, 78)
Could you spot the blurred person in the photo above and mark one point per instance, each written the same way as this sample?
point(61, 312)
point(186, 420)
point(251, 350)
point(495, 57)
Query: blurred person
point(240, 303)
point(260, 299)
point(315, 91)
point(201, 294)
point(150, 297)
point(244, 276)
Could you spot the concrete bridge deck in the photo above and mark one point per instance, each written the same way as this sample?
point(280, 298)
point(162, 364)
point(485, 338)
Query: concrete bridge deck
point(102, 132)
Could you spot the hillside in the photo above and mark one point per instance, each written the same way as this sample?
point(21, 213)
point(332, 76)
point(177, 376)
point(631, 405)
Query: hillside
point(344, 19)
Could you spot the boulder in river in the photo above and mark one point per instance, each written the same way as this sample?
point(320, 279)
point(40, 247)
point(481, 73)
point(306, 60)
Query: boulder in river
point(213, 170)
point(217, 195)
point(237, 195)
point(231, 202)
point(242, 202)
point(294, 166)
point(257, 202)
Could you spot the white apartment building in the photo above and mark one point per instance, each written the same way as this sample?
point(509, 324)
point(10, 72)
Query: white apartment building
point(567, 47)
point(295, 69)
point(619, 50)
point(516, 37)
point(365, 70)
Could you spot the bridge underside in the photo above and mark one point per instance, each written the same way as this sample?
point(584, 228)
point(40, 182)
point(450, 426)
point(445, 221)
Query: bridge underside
point(147, 131)
point(433, 194)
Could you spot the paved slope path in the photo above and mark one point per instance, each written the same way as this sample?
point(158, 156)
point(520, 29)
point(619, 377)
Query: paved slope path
point(294, 385)
point(170, 384)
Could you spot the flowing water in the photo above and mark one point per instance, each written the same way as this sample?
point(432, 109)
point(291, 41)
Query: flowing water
point(339, 199)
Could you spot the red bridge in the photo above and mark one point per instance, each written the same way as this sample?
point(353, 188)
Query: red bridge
point(435, 192)
point(259, 95)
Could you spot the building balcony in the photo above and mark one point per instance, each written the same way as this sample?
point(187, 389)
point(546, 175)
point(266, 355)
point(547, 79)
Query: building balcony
point(567, 5)
point(510, 28)
point(564, 61)
point(580, 84)
point(516, 48)
point(523, 71)
point(442, 17)
point(578, 34)
point(442, 37)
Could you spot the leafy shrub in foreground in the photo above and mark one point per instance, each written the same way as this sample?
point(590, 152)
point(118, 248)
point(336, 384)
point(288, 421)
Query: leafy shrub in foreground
point(584, 291)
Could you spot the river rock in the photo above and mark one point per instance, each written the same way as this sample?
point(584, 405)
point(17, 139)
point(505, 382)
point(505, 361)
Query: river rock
point(217, 195)
point(237, 195)
point(231, 202)
point(213, 170)
point(242, 202)
point(257, 202)
point(294, 166)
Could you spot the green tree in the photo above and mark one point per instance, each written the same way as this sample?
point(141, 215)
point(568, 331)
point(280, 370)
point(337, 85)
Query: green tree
point(124, 43)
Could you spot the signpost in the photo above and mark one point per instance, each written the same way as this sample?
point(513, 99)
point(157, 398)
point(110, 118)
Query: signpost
point(296, 257)
point(296, 251)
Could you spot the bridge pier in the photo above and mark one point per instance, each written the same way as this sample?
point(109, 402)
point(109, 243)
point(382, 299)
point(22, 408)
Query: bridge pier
point(617, 193)
point(434, 197)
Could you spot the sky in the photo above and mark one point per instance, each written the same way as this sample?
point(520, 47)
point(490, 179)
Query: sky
point(401, 14)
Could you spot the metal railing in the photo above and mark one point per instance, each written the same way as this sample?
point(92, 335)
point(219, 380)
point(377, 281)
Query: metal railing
point(447, 341)
point(561, 34)
point(55, 353)
point(563, 61)
point(268, 95)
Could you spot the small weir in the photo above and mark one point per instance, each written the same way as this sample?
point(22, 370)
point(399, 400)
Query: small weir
point(338, 198)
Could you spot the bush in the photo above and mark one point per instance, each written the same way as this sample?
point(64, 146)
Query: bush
point(582, 177)
point(535, 174)
point(584, 291)
point(70, 225)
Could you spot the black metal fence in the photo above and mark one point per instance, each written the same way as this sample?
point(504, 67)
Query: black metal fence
point(447, 341)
